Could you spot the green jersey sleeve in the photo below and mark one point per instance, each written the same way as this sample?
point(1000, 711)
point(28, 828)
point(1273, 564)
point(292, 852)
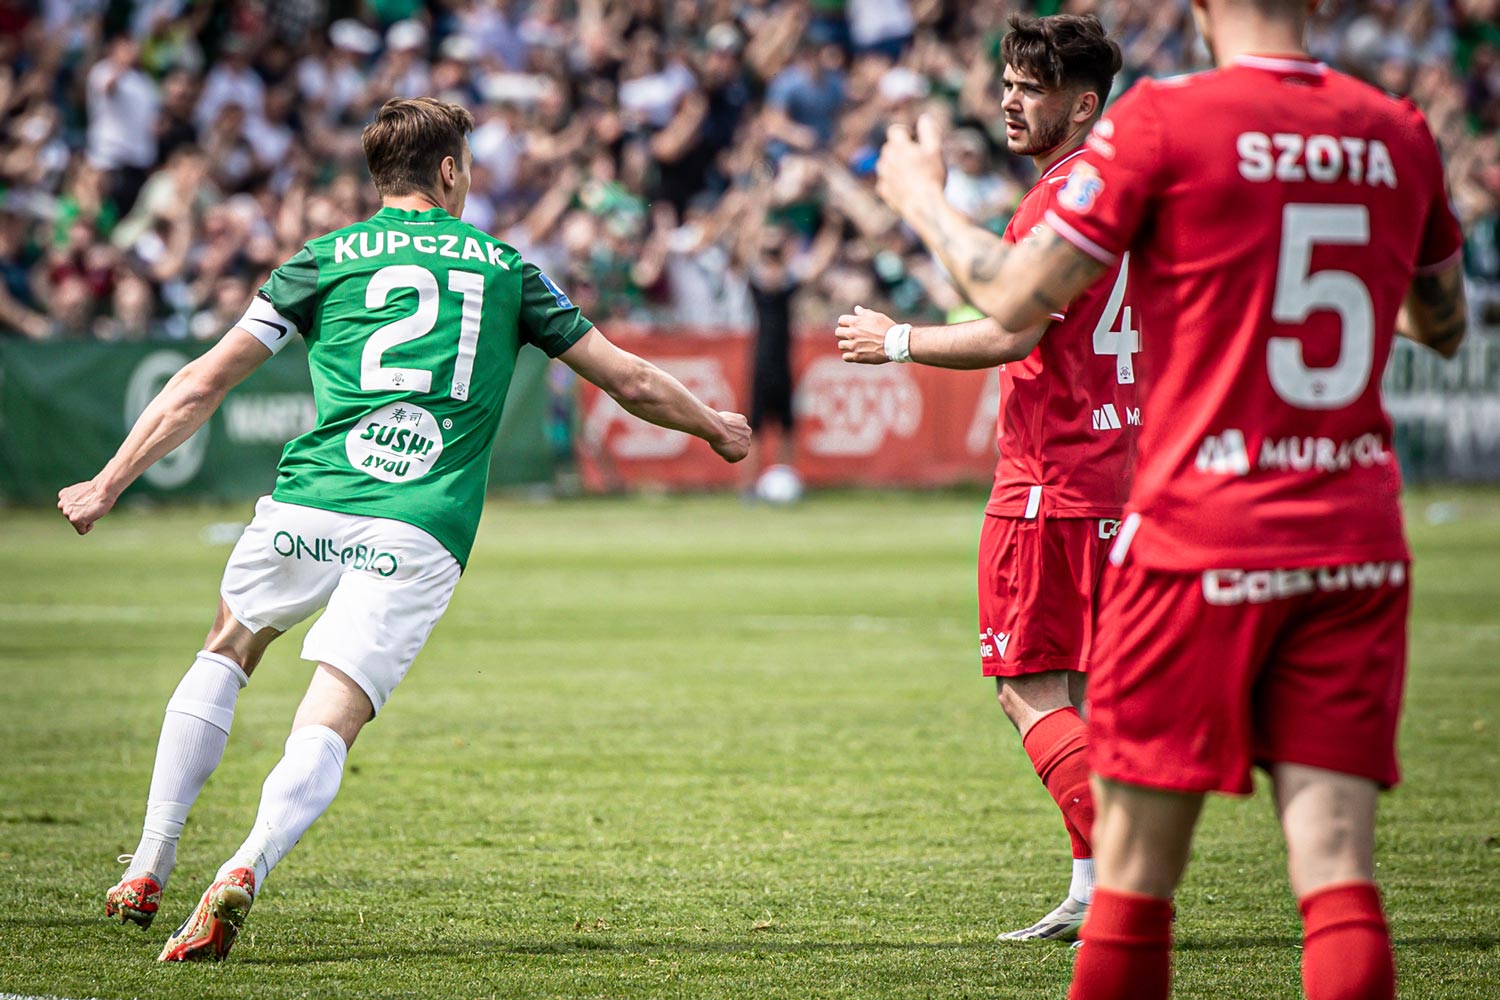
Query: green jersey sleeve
point(292, 289)
point(549, 319)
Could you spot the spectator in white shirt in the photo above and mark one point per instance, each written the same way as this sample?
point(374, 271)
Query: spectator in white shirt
point(232, 81)
point(336, 78)
point(123, 107)
point(880, 26)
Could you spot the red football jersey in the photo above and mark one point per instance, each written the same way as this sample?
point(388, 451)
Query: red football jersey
point(1068, 411)
point(1275, 212)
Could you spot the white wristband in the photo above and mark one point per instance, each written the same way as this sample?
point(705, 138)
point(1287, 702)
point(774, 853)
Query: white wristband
point(898, 343)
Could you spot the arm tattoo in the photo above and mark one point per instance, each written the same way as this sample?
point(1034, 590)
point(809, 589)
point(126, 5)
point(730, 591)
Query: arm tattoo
point(1080, 268)
point(979, 252)
point(1046, 301)
point(1440, 297)
point(1436, 295)
point(1068, 271)
point(1428, 288)
point(987, 261)
point(1453, 331)
point(975, 257)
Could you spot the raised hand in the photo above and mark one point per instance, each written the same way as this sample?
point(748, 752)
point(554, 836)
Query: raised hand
point(909, 170)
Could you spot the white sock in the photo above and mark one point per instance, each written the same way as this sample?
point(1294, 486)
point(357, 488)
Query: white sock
point(296, 792)
point(193, 735)
point(1082, 886)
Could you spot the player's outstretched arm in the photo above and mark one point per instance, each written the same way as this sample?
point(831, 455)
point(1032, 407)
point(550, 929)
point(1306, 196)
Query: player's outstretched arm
point(1436, 312)
point(865, 338)
point(1017, 285)
point(647, 392)
point(184, 404)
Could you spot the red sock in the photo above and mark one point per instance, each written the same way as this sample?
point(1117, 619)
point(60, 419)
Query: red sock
point(1346, 945)
point(1058, 747)
point(1127, 950)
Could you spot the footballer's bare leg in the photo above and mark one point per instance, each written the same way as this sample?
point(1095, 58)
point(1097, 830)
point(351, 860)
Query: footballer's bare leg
point(230, 638)
point(1043, 709)
point(1078, 690)
point(1025, 699)
point(1329, 823)
point(1142, 837)
point(335, 701)
point(194, 733)
point(297, 791)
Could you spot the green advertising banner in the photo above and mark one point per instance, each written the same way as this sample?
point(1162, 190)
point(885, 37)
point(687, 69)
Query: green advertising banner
point(65, 408)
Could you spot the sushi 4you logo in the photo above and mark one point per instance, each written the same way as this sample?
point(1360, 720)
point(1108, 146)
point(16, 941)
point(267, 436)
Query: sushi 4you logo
point(851, 410)
point(396, 443)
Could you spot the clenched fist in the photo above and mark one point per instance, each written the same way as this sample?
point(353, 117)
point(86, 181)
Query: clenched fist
point(735, 442)
point(862, 336)
point(83, 504)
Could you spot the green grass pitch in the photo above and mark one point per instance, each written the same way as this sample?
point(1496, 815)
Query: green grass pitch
point(672, 748)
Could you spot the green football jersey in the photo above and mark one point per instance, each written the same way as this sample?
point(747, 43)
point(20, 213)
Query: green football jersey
point(413, 321)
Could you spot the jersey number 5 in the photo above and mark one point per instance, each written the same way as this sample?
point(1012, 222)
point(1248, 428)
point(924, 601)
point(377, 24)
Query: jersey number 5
point(1124, 342)
point(1301, 292)
point(373, 376)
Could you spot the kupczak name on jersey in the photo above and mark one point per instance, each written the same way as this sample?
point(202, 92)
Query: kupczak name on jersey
point(1275, 212)
point(413, 321)
point(1068, 410)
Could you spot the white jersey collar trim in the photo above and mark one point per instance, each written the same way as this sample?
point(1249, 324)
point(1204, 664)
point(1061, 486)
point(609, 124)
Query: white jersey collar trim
point(1284, 64)
point(1052, 169)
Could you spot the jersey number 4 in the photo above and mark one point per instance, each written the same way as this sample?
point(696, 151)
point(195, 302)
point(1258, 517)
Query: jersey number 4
point(375, 377)
point(1124, 342)
point(1300, 291)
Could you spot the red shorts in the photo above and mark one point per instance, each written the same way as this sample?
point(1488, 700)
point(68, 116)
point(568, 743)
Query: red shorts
point(1199, 675)
point(1038, 586)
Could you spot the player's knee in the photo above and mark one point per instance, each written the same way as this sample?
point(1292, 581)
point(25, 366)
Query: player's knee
point(1027, 698)
point(245, 658)
point(336, 701)
point(1011, 702)
point(1331, 859)
point(1138, 864)
point(233, 640)
point(1330, 832)
point(1317, 864)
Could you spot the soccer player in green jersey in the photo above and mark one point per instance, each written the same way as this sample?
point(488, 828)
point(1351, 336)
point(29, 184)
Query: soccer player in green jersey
point(413, 320)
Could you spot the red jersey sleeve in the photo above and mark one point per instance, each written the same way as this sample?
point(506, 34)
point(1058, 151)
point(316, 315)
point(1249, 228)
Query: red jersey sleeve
point(1110, 190)
point(1442, 238)
point(1009, 236)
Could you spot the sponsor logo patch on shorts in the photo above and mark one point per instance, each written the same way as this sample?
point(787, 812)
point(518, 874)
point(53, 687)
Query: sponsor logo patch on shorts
point(992, 644)
point(326, 550)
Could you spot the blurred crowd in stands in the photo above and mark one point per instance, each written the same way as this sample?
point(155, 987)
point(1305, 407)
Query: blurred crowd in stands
point(667, 161)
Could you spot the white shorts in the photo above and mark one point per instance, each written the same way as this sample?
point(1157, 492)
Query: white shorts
point(384, 583)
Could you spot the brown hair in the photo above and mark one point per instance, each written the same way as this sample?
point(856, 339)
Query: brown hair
point(1278, 8)
point(1063, 50)
point(408, 139)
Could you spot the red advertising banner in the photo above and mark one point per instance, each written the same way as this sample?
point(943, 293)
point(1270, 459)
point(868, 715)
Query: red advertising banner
point(866, 425)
